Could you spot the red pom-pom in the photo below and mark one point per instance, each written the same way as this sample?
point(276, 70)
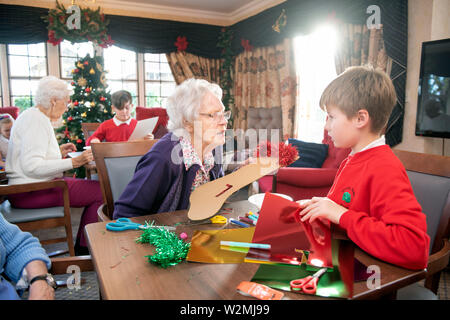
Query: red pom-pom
point(79, 141)
point(287, 153)
point(69, 118)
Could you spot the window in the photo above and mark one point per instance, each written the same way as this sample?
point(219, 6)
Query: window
point(314, 55)
point(27, 64)
point(121, 67)
point(70, 53)
point(159, 81)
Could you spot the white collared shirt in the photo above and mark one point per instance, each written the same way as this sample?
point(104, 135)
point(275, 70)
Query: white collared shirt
point(376, 143)
point(117, 122)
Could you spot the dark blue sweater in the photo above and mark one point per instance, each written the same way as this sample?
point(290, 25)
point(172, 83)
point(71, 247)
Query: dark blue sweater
point(159, 183)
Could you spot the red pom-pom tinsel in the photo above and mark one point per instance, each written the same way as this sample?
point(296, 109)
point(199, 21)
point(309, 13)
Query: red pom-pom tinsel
point(287, 153)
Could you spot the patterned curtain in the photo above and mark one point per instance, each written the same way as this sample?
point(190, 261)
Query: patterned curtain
point(358, 46)
point(265, 78)
point(187, 65)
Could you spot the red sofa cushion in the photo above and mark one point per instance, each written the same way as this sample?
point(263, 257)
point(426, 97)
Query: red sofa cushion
point(13, 111)
point(161, 126)
point(335, 155)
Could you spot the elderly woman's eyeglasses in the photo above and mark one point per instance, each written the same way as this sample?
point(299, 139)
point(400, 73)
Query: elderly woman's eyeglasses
point(217, 116)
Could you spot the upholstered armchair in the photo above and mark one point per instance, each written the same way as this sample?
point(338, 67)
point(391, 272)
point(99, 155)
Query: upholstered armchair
point(304, 183)
point(161, 126)
point(13, 111)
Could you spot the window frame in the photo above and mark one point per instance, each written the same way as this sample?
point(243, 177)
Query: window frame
point(160, 81)
point(7, 54)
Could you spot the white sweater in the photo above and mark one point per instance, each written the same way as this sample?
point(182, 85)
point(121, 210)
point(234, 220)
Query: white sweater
point(33, 153)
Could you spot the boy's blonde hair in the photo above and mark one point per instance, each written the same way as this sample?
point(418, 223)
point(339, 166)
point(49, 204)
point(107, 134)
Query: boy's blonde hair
point(362, 87)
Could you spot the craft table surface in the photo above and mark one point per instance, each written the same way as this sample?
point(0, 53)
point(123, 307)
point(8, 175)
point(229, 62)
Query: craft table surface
point(124, 272)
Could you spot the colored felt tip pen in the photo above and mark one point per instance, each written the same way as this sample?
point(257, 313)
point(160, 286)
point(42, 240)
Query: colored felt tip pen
point(250, 216)
point(247, 220)
point(239, 223)
point(245, 244)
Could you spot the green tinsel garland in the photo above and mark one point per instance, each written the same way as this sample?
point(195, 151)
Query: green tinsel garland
point(170, 250)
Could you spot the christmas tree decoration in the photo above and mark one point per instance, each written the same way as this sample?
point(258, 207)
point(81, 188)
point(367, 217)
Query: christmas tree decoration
point(92, 26)
point(280, 22)
point(226, 69)
point(92, 71)
point(170, 250)
point(82, 82)
point(91, 102)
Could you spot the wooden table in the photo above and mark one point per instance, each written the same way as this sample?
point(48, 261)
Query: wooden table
point(124, 272)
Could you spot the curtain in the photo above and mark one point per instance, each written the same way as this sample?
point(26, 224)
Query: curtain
point(187, 65)
point(358, 46)
point(265, 78)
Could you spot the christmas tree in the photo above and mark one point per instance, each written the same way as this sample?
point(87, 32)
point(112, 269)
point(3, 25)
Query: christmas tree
point(90, 102)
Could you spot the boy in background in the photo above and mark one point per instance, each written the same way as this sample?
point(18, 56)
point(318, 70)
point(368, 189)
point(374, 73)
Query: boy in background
point(122, 125)
point(371, 197)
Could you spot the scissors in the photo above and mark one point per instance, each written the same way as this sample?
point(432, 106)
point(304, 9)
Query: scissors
point(122, 224)
point(216, 220)
point(308, 284)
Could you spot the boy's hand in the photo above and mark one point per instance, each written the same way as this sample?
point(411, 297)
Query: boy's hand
point(321, 208)
point(149, 137)
point(95, 140)
point(66, 148)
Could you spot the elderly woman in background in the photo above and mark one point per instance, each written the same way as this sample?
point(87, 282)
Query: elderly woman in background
point(183, 159)
point(34, 156)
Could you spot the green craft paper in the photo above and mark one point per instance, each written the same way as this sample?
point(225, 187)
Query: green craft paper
point(331, 283)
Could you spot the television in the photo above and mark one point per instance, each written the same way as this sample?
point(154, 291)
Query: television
point(433, 105)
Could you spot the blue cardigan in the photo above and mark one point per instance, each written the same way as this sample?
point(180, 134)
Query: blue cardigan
point(160, 182)
point(17, 249)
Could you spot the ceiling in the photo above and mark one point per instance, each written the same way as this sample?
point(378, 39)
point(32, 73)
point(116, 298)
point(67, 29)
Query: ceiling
point(220, 12)
point(219, 6)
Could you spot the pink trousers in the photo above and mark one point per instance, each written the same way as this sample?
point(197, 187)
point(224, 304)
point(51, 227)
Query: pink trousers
point(82, 193)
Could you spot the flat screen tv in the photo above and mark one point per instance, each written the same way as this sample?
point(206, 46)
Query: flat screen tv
point(433, 106)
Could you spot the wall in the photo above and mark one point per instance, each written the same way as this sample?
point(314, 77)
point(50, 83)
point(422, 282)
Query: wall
point(427, 20)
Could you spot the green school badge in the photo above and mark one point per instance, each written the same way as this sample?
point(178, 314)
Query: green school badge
point(347, 197)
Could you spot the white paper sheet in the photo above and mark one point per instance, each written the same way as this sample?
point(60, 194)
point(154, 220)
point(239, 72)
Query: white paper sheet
point(74, 154)
point(143, 127)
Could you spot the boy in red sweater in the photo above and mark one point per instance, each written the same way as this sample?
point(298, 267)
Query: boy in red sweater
point(371, 197)
point(121, 126)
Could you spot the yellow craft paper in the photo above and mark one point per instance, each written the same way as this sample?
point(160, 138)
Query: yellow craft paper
point(205, 245)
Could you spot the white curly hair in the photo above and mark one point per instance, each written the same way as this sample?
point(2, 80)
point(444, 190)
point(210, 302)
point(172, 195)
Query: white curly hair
point(184, 103)
point(49, 88)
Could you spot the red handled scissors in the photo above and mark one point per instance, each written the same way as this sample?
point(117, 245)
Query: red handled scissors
point(308, 284)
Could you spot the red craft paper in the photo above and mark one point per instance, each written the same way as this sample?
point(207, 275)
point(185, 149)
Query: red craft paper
point(279, 225)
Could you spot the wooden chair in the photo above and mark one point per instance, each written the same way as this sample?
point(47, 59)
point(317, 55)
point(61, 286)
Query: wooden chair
point(116, 163)
point(430, 179)
point(88, 129)
point(36, 219)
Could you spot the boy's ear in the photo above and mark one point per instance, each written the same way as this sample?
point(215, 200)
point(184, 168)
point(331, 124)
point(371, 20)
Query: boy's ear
point(362, 118)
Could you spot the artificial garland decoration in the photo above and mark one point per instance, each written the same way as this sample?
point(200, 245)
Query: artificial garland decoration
point(226, 69)
point(181, 44)
point(245, 43)
point(280, 22)
point(170, 250)
point(93, 26)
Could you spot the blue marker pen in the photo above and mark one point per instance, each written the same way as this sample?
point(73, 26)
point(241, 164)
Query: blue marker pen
point(239, 223)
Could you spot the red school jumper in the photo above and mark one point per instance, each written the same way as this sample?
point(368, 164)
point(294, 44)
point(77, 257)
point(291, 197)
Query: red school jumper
point(110, 132)
point(384, 218)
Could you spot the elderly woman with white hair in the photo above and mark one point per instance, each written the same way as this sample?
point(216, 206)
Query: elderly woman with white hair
point(34, 155)
point(183, 159)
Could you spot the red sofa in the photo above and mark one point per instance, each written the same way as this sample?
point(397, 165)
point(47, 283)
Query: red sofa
point(13, 111)
point(304, 183)
point(161, 126)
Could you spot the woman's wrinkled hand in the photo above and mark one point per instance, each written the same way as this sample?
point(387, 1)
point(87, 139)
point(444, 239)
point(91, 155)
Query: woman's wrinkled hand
point(66, 148)
point(83, 158)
